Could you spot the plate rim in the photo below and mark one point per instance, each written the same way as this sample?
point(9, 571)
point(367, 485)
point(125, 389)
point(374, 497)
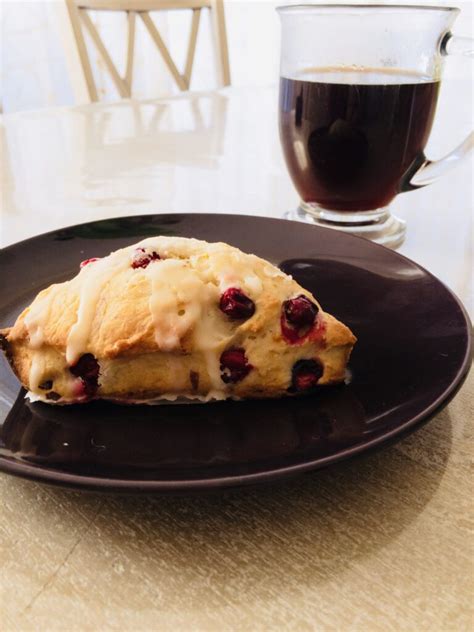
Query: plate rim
point(121, 485)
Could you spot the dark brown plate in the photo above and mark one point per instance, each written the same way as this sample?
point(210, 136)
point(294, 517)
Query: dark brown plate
point(413, 353)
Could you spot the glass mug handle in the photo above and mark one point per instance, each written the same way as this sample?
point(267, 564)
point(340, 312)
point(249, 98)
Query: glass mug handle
point(431, 170)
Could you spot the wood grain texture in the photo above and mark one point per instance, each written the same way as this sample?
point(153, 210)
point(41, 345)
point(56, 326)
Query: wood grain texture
point(380, 543)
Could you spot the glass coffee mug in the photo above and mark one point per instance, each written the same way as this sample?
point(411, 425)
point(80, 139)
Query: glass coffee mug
point(358, 92)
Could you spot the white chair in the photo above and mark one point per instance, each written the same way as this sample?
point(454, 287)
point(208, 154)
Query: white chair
point(80, 19)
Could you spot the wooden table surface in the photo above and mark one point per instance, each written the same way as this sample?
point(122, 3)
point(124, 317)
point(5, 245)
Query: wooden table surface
point(383, 542)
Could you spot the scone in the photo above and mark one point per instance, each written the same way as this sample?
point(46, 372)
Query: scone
point(172, 318)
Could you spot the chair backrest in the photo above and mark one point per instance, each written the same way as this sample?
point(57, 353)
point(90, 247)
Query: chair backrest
point(79, 17)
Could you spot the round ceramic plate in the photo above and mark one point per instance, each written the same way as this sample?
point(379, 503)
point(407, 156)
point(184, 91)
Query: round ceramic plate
point(413, 353)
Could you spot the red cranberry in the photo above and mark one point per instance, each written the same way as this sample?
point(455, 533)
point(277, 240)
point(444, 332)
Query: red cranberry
point(234, 366)
point(305, 375)
point(235, 304)
point(87, 369)
point(87, 261)
point(298, 315)
point(141, 258)
point(300, 311)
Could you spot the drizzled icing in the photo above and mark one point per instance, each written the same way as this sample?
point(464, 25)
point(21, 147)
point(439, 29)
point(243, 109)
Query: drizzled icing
point(176, 301)
point(95, 278)
point(35, 321)
point(36, 370)
point(38, 315)
point(181, 299)
point(238, 272)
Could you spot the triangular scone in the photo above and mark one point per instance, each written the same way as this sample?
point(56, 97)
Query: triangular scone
point(172, 317)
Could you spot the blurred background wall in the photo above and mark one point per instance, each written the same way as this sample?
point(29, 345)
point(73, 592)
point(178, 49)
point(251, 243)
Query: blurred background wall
point(36, 68)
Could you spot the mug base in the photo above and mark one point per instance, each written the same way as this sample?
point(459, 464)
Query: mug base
point(378, 225)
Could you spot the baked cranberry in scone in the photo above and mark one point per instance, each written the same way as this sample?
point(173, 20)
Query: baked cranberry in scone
point(142, 258)
point(235, 304)
point(172, 318)
point(306, 375)
point(234, 366)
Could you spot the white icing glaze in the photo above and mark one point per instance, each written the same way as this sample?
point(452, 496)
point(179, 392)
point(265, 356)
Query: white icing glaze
point(36, 370)
point(272, 272)
point(176, 300)
point(94, 278)
point(210, 336)
point(38, 315)
point(238, 272)
point(253, 283)
point(180, 300)
point(213, 370)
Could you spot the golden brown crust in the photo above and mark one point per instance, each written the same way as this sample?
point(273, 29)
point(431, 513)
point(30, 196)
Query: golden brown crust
point(122, 331)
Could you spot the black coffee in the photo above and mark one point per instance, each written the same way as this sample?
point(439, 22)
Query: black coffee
point(349, 138)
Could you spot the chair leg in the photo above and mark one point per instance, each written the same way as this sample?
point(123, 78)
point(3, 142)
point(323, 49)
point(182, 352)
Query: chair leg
point(82, 50)
point(130, 50)
point(220, 37)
